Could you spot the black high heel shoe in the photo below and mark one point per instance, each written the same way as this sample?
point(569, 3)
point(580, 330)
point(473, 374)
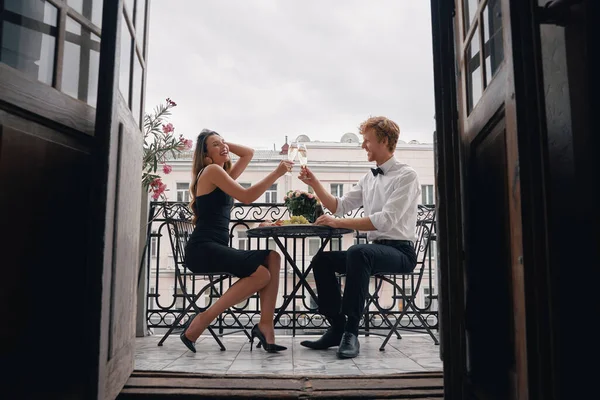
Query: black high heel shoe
point(269, 347)
point(188, 343)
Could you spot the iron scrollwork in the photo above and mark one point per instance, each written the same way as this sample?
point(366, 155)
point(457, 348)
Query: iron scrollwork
point(165, 303)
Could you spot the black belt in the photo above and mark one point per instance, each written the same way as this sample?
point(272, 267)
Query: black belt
point(392, 242)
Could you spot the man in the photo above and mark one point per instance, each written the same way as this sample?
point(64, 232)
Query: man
point(389, 194)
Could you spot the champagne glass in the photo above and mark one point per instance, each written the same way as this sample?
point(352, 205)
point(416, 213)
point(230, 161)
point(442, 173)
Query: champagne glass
point(292, 151)
point(302, 154)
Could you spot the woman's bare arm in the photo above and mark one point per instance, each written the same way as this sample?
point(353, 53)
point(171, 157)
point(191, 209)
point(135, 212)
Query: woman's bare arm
point(245, 155)
point(218, 177)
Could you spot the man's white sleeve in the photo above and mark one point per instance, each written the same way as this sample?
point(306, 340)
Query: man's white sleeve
point(350, 201)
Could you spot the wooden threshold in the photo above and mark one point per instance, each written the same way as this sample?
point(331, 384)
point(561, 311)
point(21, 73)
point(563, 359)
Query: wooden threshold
point(179, 385)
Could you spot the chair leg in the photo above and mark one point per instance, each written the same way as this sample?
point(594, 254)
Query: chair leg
point(409, 304)
point(174, 325)
point(428, 329)
point(216, 337)
point(393, 329)
point(239, 323)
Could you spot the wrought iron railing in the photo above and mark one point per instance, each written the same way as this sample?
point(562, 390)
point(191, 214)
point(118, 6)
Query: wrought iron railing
point(165, 300)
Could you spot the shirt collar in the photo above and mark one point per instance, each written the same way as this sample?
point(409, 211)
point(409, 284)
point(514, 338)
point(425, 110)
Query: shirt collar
point(386, 166)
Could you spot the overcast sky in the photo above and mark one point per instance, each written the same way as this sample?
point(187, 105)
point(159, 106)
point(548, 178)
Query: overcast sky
point(258, 70)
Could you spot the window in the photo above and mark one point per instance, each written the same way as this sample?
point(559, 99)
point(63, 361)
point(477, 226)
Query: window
point(337, 189)
point(429, 303)
point(81, 60)
point(361, 240)
point(314, 245)
point(481, 62)
point(28, 31)
point(242, 240)
point(32, 39)
point(179, 296)
point(153, 243)
point(407, 292)
point(271, 194)
point(183, 192)
point(432, 249)
point(427, 195)
point(335, 244)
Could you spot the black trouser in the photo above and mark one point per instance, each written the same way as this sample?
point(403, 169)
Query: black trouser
point(359, 262)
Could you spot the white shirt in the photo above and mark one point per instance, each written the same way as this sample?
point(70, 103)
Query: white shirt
point(389, 200)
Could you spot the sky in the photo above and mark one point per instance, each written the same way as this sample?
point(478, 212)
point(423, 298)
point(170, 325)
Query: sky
point(259, 70)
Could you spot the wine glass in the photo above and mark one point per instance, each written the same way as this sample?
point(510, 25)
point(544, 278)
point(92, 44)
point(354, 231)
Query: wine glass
point(302, 155)
point(292, 151)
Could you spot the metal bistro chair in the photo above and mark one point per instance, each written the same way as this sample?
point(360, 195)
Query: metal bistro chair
point(179, 232)
point(425, 234)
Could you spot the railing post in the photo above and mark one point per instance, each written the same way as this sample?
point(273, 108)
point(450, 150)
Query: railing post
point(141, 325)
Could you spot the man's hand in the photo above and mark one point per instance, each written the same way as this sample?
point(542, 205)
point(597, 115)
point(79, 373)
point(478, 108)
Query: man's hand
point(307, 176)
point(327, 220)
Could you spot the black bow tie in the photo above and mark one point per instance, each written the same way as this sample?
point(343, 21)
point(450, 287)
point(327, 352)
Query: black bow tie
point(376, 171)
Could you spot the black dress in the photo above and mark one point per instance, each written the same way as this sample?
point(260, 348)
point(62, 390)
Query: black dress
point(208, 248)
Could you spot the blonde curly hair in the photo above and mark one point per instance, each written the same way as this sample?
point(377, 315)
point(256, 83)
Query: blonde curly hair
point(384, 128)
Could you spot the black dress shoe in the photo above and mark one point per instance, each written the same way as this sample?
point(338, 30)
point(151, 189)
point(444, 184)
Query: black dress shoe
point(329, 339)
point(349, 346)
point(188, 343)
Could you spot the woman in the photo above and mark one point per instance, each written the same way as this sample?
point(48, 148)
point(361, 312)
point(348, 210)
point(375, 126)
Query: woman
point(207, 250)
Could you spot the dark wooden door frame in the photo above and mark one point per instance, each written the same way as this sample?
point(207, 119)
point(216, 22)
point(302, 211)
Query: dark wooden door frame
point(115, 133)
point(528, 103)
point(449, 193)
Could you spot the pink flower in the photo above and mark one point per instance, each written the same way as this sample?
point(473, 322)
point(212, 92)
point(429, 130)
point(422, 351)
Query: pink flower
point(171, 103)
point(185, 144)
point(168, 128)
point(156, 182)
point(157, 187)
point(310, 196)
point(167, 169)
point(297, 193)
point(285, 198)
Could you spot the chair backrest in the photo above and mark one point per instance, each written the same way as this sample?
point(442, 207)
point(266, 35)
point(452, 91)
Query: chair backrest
point(425, 233)
point(179, 232)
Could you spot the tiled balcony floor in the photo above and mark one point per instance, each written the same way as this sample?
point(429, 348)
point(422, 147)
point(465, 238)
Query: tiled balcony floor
point(413, 353)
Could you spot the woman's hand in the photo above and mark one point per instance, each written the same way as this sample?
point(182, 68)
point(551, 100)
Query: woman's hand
point(284, 166)
point(307, 176)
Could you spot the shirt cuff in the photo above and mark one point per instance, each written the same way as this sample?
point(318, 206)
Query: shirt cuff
point(379, 221)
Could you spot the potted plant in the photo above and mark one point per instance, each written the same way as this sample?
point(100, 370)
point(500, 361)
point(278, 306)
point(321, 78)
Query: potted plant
point(160, 141)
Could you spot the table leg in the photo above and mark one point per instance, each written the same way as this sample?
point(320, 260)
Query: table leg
point(302, 276)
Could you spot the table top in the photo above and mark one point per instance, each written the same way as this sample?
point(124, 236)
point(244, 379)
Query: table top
point(297, 231)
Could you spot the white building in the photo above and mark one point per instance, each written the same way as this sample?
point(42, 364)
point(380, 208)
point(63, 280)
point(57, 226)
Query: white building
point(338, 165)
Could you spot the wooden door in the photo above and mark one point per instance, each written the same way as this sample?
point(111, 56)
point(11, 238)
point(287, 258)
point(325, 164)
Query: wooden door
point(71, 72)
point(491, 155)
point(118, 162)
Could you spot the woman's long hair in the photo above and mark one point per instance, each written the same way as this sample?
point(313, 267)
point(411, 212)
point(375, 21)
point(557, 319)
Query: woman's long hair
point(198, 164)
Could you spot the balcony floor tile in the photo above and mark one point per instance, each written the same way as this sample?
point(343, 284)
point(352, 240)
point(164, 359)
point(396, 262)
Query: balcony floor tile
point(413, 353)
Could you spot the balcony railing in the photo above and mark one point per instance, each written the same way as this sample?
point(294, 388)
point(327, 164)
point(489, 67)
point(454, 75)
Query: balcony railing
point(165, 300)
